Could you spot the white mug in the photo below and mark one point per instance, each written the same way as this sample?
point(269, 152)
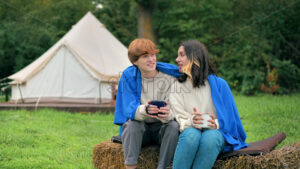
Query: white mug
point(205, 121)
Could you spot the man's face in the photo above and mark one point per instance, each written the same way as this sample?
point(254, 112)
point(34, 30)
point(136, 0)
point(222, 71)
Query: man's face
point(146, 63)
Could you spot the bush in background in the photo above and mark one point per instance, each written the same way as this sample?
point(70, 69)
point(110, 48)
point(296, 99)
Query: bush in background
point(242, 36)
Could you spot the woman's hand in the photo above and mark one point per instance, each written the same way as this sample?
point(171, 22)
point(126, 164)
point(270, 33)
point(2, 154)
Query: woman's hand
point(198, 120)
point(212, 121)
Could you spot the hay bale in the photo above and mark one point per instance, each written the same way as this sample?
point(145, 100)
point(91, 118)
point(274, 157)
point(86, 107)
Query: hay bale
point(108, 155)
point(286, 157)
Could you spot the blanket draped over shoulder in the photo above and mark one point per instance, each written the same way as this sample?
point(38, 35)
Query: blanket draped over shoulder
point(129, 96)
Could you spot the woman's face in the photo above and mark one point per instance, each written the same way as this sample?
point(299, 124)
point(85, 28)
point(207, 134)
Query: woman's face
point(181, 59)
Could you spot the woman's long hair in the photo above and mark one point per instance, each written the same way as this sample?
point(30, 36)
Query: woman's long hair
point(200, 64)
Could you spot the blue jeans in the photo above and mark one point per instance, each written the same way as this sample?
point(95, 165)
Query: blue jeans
point(198, 149)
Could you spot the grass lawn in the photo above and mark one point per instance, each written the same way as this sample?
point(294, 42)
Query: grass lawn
point(265, 115)
point(52, 139)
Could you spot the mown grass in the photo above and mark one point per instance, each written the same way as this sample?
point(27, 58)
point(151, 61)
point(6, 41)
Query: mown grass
point(54, 139)
point(265, 115)
point(51, 139)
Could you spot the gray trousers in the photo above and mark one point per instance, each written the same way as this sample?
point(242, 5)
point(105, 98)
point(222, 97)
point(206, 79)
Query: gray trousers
point(137, 134)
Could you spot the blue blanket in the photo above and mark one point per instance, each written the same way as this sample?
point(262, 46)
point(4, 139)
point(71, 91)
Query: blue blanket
point(129, 91)
point(129, 96)
point(228, 116)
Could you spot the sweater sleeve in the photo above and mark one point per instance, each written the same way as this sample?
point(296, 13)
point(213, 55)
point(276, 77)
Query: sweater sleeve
point(140, 114)
point(177, 107)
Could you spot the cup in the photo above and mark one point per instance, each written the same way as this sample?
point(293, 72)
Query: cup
point(157, 103)
point(205, 121)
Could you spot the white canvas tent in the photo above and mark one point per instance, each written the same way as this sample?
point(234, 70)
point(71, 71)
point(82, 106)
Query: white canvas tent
point(80, 67)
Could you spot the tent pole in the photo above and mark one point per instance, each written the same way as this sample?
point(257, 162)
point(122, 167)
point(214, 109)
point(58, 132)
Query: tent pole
point(100, 99)
point(63, 73)
point(20, 92)
point(37, 103)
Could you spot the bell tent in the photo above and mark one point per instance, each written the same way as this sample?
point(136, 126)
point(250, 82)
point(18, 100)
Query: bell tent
point(83, 67)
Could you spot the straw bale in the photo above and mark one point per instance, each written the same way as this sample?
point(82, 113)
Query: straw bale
point(108, 155)
point(286, 157)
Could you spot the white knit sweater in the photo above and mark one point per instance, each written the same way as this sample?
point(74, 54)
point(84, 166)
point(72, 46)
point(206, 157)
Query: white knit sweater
point(184, 98)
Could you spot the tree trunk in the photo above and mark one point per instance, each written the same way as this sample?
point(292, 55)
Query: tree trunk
point(145, 28)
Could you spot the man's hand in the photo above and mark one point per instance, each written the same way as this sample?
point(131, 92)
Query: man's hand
point(152, 110)
point(165, 112)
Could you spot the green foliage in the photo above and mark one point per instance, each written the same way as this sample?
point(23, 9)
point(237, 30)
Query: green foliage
point(23, 44)
point(2, 98)
point(184, 20)
point(241, 36)
point(242, 61)
point(261, 42)
point(29, 28)
point(120, 17)
point(288, 75)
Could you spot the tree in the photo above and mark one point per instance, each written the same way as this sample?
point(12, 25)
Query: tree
point(145, 26)
point(119, 17)
point(29, 28)
point(242, 36)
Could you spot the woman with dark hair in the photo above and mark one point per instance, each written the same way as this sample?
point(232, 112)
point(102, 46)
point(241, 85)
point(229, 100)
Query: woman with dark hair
point(197, 93)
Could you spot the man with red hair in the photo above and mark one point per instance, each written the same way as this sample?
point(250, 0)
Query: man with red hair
point(140, 123)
